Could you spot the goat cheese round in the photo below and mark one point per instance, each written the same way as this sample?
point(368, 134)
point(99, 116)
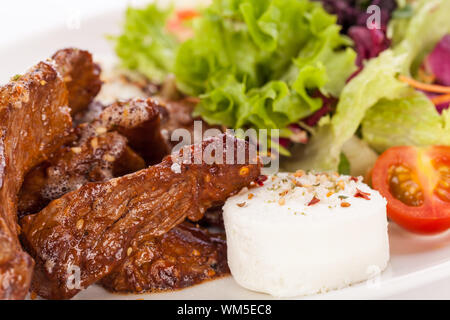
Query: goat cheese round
point(304, 233)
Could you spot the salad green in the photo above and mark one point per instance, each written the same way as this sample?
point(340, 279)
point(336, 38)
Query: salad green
point(145, 44)
point(413, 120)
point(267, 64)
point(253, 63)
point(378, 81)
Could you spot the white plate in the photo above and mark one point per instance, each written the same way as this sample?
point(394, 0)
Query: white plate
point(415, 260)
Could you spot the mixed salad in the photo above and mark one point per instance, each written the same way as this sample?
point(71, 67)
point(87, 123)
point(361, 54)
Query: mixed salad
point(340, 90)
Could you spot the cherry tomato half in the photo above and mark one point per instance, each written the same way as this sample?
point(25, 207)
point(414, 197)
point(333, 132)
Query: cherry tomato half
point(177, 25)
point(416, 183)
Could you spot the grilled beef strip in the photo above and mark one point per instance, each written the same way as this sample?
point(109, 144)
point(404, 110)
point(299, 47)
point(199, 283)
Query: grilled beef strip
point(97, 153)
point(184, 256)
point(86, 233)
point(177, 115)
point(213, 218)
point(88, 115)
point(174, 115)
point(34, 122)
point(138, 120)
point(99, 158)
point(81, 76)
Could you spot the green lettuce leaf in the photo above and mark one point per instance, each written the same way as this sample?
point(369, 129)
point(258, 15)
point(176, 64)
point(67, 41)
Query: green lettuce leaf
point(408, 121)
point(375, 82)
point(145, 44)
point(344, 165)
point(255, 64)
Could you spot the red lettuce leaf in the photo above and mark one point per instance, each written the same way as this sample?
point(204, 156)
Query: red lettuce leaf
point(438, 61)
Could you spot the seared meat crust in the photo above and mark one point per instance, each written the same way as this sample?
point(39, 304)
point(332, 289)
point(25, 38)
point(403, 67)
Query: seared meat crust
point(98, 153)
point(184, 256)
point(87, 232)
point(81, 76)
point(34, 122)
point(177, 115)
point(139, 121)
point(98, 159)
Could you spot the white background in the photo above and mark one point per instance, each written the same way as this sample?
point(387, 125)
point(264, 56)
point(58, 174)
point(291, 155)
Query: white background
point(23, 18)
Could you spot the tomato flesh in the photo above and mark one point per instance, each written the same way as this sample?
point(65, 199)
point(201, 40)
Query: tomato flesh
point(442, 189)
point(416, 184)
point(404, 186)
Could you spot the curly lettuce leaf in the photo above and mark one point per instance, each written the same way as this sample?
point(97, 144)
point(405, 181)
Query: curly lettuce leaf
point(255, 64)
point(409, 121)
point(145, 45)
point(320, 53)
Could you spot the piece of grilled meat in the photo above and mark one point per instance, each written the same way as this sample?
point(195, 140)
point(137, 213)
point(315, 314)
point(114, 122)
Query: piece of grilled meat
point(34, 122)
point(139, 121)
point(184, 256)
point(84, 235)
point(98, 153)
point(176, 115)
point(81, 76)
point(99, 158)
point(213, 218)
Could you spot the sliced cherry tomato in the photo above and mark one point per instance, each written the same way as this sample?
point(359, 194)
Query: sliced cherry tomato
point(187, 14)
point(177, 24)
point(416, 184)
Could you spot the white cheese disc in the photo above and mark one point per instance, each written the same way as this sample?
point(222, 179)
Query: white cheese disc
point(303, 233)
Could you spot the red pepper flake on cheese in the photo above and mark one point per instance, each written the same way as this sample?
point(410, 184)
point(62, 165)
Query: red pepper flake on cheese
point(361, 194)
point(260, 180)
point(313, 201)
